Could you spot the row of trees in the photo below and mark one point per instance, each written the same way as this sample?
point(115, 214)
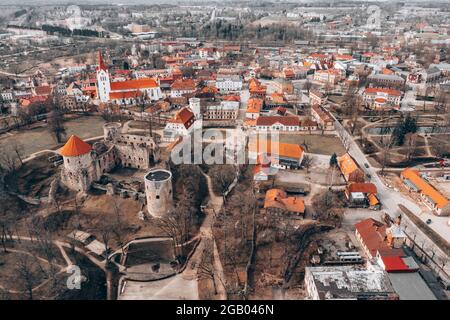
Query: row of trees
point(403, 127)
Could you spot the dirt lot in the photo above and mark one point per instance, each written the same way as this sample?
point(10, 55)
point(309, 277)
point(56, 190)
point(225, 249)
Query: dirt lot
point(321, 144)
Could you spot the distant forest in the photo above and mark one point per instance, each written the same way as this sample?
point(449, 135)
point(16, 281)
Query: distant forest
point(236, 31)
point(67, 32)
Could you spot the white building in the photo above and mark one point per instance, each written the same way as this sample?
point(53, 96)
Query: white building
point(229, 83)
point(125, 92)
point(278, 123)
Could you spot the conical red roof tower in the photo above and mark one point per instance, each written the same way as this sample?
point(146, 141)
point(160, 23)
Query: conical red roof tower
point(75, 147)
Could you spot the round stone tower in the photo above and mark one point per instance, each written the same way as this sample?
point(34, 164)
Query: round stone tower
point(111, 130)
point(77, 165)
point(158, 190)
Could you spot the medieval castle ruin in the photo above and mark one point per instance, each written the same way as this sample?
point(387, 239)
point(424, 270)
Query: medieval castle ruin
point(84, 164)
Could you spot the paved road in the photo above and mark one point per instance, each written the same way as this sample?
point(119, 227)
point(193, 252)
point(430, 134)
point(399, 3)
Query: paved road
point(390, 200)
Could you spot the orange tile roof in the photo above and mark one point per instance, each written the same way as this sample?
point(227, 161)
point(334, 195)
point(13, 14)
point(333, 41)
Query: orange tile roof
point(136, 84)
point(210, 89)
point(343, 57)
point(125, 95)
point(254, 85)
point(277, 97)
point(75, 147)
point(387, 71)
point(318, 55)
point(282, 149)
point(373, 200)
point(232, 98)
point(250, 122)
point(424, 187)
point(254, 105)
point(347, 165)
point(277, 198)
point(391, 92)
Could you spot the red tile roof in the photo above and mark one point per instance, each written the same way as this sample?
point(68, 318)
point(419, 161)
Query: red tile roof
point(362, 187)
point(101, 63)
point(183, 84)
point(394, 263)
point(184, 116)
point(391, 92)
point(43, 90)
point(125, 95)
point(144, 83)
point(373, 234)
point(232, 98)
point(284, 120)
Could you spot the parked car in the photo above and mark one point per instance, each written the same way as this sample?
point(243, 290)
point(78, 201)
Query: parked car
point(428, 221)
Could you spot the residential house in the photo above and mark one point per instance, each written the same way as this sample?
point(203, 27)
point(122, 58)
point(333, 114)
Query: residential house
point(385, 80)
point(180, 125)
point(278, 123)
point(317, 98)
point(382, 98)
point(227, 109)
point(431, 197)
point(256, 88)
point(277, 202)
point(229, 82)
point(324, 119)
point(350, 169)
point(362, 195)
point(278, 154)
point(330, 76)
point(181, 87)
point(254, 106)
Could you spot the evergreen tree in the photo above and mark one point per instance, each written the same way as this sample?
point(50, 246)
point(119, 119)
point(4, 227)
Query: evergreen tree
point(333, 160)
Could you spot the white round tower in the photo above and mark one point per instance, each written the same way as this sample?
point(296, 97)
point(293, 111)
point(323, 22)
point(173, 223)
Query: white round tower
point(77, 164)
point(158, 191)
point(194, 104)
point(111, 130)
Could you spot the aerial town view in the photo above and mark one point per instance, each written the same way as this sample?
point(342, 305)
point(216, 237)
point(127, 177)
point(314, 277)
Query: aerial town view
point(225, 150)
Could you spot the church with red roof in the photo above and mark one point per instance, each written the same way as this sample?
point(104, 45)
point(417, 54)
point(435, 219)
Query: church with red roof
point(125, 92)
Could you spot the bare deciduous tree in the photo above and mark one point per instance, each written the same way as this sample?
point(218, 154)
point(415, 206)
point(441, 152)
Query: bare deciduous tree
point(206, 268)
point(25, 277)
point(307, 162)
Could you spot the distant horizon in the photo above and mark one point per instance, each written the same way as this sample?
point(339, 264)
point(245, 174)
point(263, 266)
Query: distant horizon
point(150, 2)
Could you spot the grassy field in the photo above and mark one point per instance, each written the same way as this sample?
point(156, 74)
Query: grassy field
point(321, 144)
point(37, 139)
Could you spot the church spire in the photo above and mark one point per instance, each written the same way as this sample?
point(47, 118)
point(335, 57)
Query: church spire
point(101, 63)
